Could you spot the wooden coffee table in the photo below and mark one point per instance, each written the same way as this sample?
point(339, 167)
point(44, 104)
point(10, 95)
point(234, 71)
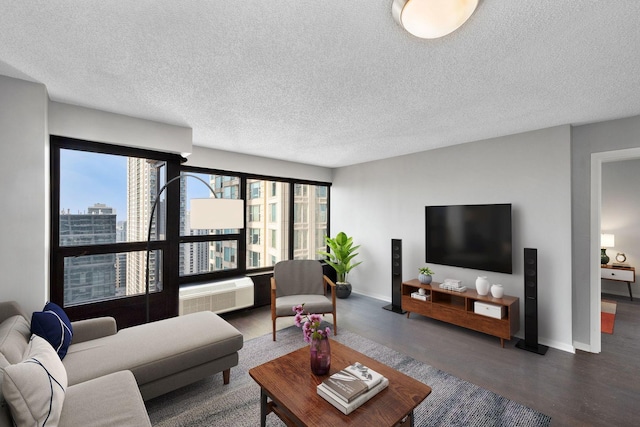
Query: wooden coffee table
point(288, 388)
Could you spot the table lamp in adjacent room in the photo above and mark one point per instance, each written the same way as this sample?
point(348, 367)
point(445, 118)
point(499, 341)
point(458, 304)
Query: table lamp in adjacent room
point(606, 241)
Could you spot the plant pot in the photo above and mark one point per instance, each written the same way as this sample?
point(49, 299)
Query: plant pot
point(343, 289)
point(425, 279)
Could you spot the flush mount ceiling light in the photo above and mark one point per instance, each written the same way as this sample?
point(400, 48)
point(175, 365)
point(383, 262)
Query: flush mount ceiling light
point(430, 19)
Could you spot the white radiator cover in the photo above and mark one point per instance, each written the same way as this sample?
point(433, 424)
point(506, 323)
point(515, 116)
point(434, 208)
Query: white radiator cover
point(219, 297)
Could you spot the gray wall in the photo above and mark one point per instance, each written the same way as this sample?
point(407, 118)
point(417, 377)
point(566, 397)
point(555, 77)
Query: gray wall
point(24, 173)
point(100, 126)
point(378, 201)
point(621, 217)
point(586, 140)
point(237, 162)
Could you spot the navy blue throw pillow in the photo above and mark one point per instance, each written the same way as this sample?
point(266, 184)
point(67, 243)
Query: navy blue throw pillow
point(53, 324)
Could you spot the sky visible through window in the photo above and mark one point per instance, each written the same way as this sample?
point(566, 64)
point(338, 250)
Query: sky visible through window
point(88, 178)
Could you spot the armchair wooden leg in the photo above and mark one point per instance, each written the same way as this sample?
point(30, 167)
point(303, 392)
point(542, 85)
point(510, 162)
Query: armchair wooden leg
point(335, 324)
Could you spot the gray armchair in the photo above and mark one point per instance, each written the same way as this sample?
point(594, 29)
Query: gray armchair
point(301, 282)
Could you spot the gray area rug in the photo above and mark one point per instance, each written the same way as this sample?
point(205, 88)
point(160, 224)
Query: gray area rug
point(453, 402)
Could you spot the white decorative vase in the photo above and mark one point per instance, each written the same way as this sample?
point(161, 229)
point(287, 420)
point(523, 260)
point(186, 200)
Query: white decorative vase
point(497, 291)
point(482, 285)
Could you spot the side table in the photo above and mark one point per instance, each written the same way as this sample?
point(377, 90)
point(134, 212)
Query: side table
point(619, 274)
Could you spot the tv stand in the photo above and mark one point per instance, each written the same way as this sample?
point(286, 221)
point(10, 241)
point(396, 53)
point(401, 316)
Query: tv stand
point(458, 308)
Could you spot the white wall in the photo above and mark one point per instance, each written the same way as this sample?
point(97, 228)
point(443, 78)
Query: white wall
point(24, 191)
point(619, 216)
point(378, 201)
point(217, 159)
point(100, 126)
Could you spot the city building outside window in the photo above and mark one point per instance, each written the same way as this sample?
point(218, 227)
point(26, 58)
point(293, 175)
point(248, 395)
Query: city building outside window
point(254, 236)
point(273, 212)
point(254, 190)
point(254, 213)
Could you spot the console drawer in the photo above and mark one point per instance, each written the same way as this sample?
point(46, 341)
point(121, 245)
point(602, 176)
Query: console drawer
point(491, 310)
point(617, 274)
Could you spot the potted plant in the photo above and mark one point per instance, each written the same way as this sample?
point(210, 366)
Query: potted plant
point(425, 275)
point(341, 255)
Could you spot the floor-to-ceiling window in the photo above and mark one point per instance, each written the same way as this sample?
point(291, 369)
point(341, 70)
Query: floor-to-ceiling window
point(284, 219)
point(102, 197)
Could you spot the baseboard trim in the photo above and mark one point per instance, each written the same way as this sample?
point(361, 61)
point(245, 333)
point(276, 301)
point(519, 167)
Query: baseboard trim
point(582, 346)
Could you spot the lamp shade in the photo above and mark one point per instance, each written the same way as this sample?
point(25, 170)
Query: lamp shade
point(430, 19)
point(214, 214)
point(607, 240)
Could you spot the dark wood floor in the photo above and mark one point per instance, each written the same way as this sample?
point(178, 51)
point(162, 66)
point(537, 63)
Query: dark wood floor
point(581, 389)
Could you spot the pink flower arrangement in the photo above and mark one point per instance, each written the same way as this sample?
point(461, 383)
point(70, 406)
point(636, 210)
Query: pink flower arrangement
point(310, 324)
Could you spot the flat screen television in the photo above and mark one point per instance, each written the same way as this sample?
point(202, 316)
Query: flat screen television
point(470, 236)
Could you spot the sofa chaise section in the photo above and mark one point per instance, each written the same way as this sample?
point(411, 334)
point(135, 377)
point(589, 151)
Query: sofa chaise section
point(163, 355)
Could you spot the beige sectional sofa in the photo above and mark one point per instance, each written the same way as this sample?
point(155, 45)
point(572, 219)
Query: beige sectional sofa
point(109, 372)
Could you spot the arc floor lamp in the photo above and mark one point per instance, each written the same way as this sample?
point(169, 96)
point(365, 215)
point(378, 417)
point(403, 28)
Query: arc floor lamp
point(211, 214)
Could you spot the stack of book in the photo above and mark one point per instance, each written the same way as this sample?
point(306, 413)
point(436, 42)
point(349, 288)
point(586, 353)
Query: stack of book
point(453, 286)
point(349, 388)
point(418, 295)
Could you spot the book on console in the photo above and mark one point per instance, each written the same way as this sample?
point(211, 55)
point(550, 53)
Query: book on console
point(347, 408)
point(417, 295)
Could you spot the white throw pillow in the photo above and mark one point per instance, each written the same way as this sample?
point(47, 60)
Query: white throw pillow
point(35, 387)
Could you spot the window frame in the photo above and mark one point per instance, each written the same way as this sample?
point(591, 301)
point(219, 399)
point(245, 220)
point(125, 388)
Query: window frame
point(159, 302)
point(130, 310)
point(243, 268)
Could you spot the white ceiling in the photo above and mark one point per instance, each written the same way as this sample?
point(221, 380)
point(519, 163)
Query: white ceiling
point(330, 83)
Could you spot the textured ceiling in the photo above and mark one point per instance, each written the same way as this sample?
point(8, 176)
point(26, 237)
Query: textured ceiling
point(330, 83)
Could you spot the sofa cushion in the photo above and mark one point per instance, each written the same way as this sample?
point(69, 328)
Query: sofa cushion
point(114, 400)
point(312, 304)
point(34, 388)
point(155, 350)
point(14, 341)
point(53, 325)
point(14, 338)
point(5, 414)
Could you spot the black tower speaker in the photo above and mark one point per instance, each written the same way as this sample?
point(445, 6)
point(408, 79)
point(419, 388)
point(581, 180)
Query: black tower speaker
point(530, 341)
point(396, 277)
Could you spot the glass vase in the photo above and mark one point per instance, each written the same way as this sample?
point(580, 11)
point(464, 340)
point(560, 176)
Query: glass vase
point(320, 356)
